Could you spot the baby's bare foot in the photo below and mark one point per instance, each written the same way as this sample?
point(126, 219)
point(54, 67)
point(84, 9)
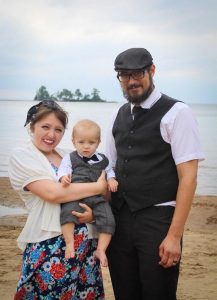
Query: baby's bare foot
point(100, 254)
point(70, 251)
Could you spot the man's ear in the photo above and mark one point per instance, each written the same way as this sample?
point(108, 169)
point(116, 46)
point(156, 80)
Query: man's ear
point(152, 70)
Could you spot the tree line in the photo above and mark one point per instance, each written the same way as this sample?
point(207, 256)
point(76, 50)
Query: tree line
point(67, 95)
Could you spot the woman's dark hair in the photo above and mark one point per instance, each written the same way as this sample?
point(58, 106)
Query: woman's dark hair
point(44, 108)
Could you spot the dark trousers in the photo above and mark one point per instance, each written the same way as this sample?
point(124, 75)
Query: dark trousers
point(134, 255)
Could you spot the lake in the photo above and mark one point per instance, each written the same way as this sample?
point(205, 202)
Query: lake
point(13, 133)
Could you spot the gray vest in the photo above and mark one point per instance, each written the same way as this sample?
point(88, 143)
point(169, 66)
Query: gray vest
point(84, 172)
point(145, 168)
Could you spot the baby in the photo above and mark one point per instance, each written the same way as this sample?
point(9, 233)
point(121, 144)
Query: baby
point(86, 165)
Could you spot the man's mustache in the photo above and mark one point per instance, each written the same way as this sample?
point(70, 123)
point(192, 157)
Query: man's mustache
point(133, 86)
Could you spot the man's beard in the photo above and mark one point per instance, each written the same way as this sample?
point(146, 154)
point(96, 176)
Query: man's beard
point(140, 98)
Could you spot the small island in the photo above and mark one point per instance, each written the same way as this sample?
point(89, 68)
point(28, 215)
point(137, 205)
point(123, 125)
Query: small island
point(67, 95)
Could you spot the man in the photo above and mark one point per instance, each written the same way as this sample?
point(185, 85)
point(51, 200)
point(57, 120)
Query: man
point(154, 147)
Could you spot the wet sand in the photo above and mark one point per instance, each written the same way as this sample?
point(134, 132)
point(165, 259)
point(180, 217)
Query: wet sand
point(198, 276)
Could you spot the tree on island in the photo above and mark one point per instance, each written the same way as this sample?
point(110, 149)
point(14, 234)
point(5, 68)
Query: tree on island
point(67, 95)
point(42, 94)
point(95, 95)
point(78, 94)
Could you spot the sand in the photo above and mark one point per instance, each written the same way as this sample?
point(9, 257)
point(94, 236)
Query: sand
point(198, 276)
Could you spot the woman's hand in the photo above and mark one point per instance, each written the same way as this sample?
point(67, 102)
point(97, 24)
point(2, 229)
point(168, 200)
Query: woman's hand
point(102, 183)
point(86, 216)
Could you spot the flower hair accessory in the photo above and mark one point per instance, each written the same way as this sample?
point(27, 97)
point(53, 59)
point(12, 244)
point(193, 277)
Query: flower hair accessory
point(31, 113)
point(33, 110)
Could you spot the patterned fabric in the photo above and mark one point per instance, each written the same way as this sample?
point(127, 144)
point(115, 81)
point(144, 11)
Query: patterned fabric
point(55, 168)
point(47, 275)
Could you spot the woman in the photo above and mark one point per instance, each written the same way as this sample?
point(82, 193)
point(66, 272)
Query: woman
point(45, 273)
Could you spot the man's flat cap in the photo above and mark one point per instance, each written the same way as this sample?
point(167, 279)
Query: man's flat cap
point(133, 59)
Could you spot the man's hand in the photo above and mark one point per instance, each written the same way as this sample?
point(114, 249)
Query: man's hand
point(170, 252)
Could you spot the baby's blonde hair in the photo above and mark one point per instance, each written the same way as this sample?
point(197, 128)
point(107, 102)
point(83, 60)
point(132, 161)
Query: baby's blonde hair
point(86, 124)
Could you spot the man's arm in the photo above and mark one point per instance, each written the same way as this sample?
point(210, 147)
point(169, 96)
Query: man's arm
point(170, 248)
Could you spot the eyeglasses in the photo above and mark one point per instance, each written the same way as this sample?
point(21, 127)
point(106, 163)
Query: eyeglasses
point(125, 77)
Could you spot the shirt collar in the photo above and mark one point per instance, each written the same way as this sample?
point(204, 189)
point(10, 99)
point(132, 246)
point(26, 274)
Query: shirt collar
point(96, 153)
point(151, 100)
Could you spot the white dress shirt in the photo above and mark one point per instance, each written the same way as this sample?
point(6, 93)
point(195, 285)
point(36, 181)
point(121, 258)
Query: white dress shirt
point(178, 127)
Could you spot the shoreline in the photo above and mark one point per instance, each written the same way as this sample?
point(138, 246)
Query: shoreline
point(198, 270)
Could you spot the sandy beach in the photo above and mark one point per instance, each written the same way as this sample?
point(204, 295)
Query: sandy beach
point(198, 277)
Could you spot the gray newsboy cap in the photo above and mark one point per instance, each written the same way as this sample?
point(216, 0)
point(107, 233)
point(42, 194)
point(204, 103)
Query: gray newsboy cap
point(133, 59)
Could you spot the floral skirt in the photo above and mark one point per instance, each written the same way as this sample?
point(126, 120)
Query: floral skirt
point(46, 274)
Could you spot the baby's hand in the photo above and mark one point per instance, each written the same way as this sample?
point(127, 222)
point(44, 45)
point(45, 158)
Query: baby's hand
point(112, 185)
point(66, 179)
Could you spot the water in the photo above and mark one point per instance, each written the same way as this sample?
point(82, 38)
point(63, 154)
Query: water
point(6, 211)
point(12, 133)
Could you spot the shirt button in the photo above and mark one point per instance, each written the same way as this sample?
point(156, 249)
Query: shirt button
point(129, 147)
point(131, 131)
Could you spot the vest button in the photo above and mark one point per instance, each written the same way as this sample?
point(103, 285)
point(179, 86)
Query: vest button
point(132, 131)
point(129, 147)
point(126, 160)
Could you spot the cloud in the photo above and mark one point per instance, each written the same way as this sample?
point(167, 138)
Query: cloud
point(74, 43)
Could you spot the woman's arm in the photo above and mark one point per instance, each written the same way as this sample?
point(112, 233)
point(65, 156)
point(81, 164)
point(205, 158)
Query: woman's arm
point(54, 192)
point(86, 216)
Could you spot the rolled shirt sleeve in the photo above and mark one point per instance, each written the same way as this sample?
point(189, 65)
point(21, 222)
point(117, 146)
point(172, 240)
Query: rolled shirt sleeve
point(179, 128)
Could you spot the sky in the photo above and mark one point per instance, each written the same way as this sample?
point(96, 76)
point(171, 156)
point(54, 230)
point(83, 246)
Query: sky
point(73, 44)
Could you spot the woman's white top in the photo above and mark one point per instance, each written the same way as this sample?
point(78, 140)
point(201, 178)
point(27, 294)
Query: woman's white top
point(27, 164)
